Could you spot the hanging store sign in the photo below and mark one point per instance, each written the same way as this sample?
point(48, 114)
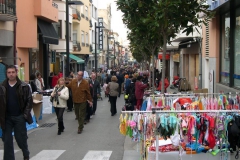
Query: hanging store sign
point(176, 57)
point(167, 56)
point(100, 23)
point(53, 56)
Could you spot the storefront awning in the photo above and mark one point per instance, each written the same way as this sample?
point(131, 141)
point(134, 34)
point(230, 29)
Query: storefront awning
point(49, 34)
point(79, 60)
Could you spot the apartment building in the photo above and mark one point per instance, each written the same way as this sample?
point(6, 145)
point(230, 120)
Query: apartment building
point(7, 36)
point(35, 32)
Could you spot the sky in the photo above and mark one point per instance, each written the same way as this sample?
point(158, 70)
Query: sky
point(117, 23)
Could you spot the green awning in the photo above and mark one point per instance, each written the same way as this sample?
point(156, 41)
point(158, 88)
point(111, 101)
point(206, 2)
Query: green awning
point(79, 60)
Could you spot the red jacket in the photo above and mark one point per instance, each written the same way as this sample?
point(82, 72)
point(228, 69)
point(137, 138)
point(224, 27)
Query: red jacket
point(166, 84)
point(139, 89)
point(54, 80)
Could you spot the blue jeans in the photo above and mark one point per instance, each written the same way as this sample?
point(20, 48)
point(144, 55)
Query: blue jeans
point(18, 125)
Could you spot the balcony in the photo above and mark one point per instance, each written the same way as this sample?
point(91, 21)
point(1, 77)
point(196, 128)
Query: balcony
point(76, 46)
point(90, 1)
point(76, 14)
point(82, 15)
point(46, 10)
point(8, 10)
point(90, 24)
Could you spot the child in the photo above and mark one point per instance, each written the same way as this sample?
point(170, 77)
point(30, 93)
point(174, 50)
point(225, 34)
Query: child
point(105, 89)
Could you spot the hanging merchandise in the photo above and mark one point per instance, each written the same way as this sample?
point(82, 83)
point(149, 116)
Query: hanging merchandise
point(192, 123)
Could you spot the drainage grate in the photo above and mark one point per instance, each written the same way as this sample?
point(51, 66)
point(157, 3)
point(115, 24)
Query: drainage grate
point(47, 125)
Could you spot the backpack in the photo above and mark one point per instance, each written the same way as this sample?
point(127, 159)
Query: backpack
point(33, 86)
point(132, 96)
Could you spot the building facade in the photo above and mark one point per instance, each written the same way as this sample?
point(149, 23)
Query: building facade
point(221, 50)
point(35, 32)
point(7, 36)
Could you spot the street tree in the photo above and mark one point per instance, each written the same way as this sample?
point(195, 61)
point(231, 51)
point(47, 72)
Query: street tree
point(160, 20)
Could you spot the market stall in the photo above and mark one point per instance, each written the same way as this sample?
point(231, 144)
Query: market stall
point(185, 126)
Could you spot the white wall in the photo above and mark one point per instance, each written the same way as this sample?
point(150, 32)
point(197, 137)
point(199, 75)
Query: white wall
point(61, 47)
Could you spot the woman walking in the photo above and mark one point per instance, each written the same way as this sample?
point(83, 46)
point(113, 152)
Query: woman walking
point(39, 82)
point(113, 93)
point(59, 97)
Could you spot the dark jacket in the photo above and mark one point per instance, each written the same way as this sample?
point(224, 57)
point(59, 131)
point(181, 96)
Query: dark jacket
point(24, 99)
point(94, 88)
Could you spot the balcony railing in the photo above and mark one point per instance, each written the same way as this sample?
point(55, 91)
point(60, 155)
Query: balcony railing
point(54, 5)
point(8, 7)
point(90, 48)
point(82, 15)
point(76, 45)
point(76, 14)
point(90, 23)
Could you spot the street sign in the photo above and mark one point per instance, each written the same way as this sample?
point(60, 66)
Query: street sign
point(100, 23)
point(53, 56)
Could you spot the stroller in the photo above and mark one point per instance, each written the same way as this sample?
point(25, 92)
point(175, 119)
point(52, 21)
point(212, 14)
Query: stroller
point(127, 106)
point(100, 97)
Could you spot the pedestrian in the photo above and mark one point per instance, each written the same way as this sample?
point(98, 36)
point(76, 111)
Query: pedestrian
point(95, 91)
point(54, 80)
point(60, 96)
point(166, 85)
point(15, 110)
point(113, 93)
point(81, 96)
point(120, 81)
point(139, 91)
point(39, 82)
point(32, 83)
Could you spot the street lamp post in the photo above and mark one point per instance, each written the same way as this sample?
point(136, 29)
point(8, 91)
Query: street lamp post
point(95, 29)
point(67, 32)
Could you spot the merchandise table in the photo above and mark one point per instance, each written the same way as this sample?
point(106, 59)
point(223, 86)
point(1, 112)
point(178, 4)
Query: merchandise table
point(175, 156)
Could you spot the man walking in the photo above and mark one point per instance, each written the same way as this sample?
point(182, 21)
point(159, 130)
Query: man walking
point(95, 91)
point(15, 107)
point(81, 95)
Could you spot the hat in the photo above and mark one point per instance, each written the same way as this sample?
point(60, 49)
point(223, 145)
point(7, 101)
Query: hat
point(126, 76)
point(114, 78)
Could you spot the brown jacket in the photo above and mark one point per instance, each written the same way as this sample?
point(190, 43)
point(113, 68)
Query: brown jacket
point(82, 93)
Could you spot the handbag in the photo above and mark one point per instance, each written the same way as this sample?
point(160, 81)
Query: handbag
point(108, 89)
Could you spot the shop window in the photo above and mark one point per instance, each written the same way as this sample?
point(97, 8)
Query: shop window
point(225, 58)
point(237, 51)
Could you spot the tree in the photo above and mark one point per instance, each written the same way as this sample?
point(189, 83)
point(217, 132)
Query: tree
point(160, 20)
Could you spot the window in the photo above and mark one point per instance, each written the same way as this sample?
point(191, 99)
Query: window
point(58, 28)
point(95, 13)
point(75, 37)
point(87, 39)
point(237, 50)
point(225, 60)
point(86, 11)
point(83, 39)
point(70, 31)
point(93, 36)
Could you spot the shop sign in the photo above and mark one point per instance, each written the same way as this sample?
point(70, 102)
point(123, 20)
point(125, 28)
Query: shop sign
point(176, 57)
point(215, 4)
point(100, 23)
point(167, 57)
